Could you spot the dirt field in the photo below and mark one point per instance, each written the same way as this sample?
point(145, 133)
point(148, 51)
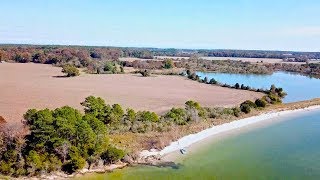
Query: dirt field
point(25, 86)
point(252, 60)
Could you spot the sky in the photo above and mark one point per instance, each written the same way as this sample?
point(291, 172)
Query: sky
point(202, 24)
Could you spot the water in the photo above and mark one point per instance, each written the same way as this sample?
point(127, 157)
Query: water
point(298, 87)
point(289, 149)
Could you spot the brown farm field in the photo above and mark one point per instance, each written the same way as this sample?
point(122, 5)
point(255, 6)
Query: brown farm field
point(25, 86)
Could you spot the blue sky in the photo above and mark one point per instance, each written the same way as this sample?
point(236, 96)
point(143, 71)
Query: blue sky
point(224, 24)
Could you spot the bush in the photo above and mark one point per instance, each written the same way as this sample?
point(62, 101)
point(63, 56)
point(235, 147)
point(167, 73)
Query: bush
point(109, 67)
point(34, 162)
point(236, 111)
point(194, 110)
point(250, 103)
point(112, 155)
point(138, 127)
point(70, 70)
point(177, 115)
point(275, 99)
point(245, 108)
point(261, 103)
point(74, 164)
point(5, 168)
point(75, 161)
point(168, 64)
point(130, 115)
point(213, 81)
point(145, 73)
point(147, 116)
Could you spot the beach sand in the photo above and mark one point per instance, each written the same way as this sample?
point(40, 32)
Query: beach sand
point(193, 142)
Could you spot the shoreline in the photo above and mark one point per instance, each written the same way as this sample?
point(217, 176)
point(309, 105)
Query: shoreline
point(194, 141)
point(171, 151)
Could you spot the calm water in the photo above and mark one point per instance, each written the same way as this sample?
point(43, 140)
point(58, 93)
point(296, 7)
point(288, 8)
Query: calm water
point(286, 150)
point(297, 86)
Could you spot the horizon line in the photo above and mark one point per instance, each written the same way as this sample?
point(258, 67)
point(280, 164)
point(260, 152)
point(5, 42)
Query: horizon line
point(149, 47)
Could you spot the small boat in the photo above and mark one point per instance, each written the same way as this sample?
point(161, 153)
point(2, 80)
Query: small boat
point(183, 151)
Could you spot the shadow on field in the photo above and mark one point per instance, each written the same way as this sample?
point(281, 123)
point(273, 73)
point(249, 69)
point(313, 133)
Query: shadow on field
point(60, 76)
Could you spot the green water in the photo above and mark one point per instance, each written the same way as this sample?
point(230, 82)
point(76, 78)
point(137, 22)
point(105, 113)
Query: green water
point(288, 149)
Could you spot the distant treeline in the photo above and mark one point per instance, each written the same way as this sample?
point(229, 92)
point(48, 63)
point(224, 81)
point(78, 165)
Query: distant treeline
point(54, 54)
point(95, 59)
point(286, 55)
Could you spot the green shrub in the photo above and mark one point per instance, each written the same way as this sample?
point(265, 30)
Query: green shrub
point(250, 103)
point(70, 70)
point(236, 111)
point(34, 162)
point(261, 103)
point(75, 161)
point(168, 64)
point(110, 67)
point(112, 155)
point(5, 168)
point(74, 164)
point(245, 108)
point(275, 99)
point(130, 115)
point(177, 115)
point(147, 116)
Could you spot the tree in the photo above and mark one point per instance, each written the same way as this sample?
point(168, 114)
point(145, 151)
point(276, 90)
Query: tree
point(205, 80)
point(237, 86)
point(130, 115)
point(34, 162)
point(147, 116)
point(213, 81)
point(95, 106)
point(273, 89)
point(62, 150)
point(116, 114)
point(70, 70)
point(188, 72)
point(76, 163)
point(85, 138)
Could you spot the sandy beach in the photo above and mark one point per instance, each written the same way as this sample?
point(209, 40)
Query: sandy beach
point(193, 141)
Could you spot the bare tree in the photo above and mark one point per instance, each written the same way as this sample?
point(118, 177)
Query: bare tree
point(63, 150)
